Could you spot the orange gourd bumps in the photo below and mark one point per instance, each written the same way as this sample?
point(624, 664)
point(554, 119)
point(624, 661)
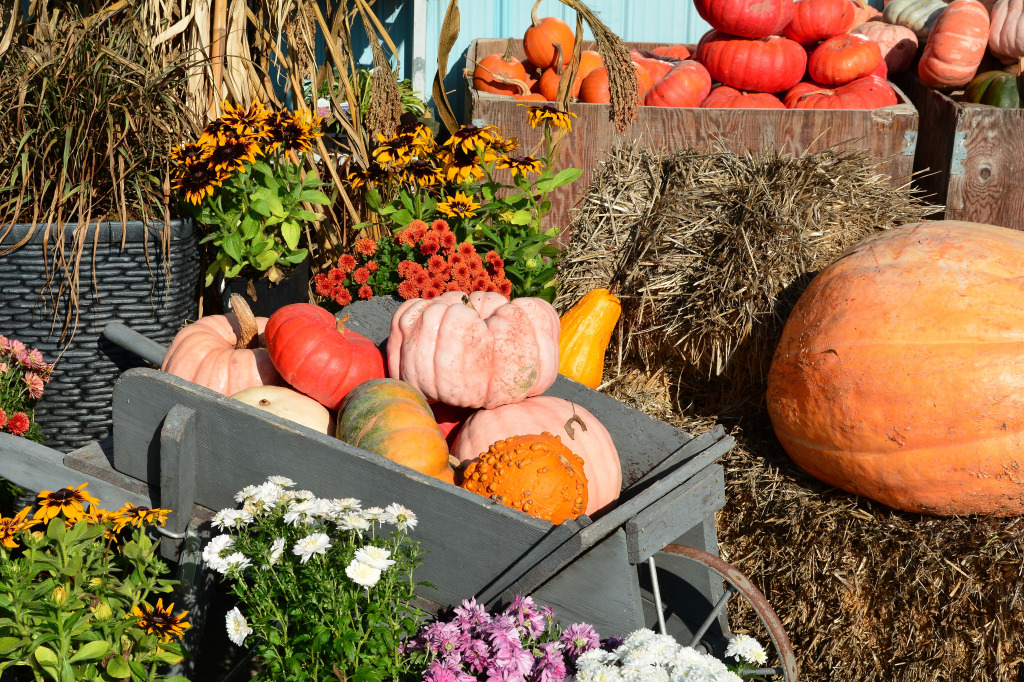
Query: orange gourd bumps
point(536, 474)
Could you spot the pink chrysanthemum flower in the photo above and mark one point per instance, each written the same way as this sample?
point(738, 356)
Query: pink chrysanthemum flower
point(34, 382)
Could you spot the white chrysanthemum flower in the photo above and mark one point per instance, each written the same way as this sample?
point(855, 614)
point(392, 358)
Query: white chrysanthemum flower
point(301, 511)
point(317, 543)
point(401, 516)
point(362, 574)
point(635, 639)
point(375, 556)
point(302, 495)
point(237, 561)
point(643, 673)
point(238, 628)
point(231, 518)
point(245, 493)
point(687, 658)
point(353, 521)
point(651, 651)
point(276, 550)
point(373, 513)
point(747, 649)
point(598, 673)
point(281, 481)
point(213, 553)
point(595, 657)
point(348, 504)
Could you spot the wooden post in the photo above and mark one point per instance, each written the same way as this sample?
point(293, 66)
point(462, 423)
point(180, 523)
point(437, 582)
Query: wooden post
point(177, 474)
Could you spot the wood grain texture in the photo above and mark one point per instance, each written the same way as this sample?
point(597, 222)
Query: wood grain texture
point(971, 157)
point(882, 132)
point(177, 473)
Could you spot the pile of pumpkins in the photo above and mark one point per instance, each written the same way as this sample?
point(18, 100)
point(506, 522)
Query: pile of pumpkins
point(458, 396)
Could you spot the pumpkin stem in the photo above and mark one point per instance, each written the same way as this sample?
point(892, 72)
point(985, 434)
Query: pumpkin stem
point(568, 426)
point(525, 89)
point(533, 14)
point(467, 302)
point(559, 68)
point(340, 325)
point(510, 50)
point(247, 329)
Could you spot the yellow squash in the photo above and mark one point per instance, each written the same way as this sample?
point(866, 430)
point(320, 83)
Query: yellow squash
point(586, 330)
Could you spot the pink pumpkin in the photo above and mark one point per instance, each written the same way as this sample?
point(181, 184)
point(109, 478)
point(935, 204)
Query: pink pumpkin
point(579, 430)
point(475, 350)
point(1006, 36)
point(898, 43)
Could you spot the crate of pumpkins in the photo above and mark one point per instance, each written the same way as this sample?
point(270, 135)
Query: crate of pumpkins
point(796, 76)
point(457, 407)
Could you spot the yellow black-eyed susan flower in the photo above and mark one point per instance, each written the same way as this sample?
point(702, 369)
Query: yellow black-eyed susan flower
point(460, 166)
point(394, 151)
point(245, 122)
point(506, 145)
point(130, 515)
point(375, 174)
point(298, 130)
point(521, 165)
point(10, 527)
point(469, 137)
point(540, 113)
point(420, 172)
point(231, 151)
point(160, 621)
point(460, 206)
point(68, 501)
point(190, 151)
point(197, 180)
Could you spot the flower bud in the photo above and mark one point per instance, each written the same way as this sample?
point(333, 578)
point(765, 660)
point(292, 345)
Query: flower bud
point(59, 595)
point(102, 611)
point(532, 263)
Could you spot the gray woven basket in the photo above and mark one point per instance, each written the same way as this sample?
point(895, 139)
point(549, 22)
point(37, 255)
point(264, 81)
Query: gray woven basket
point(76, 405)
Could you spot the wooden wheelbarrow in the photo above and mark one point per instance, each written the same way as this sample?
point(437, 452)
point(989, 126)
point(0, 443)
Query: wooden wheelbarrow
point(649, 562)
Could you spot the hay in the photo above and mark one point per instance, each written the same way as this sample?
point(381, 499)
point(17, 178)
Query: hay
point(709, 249)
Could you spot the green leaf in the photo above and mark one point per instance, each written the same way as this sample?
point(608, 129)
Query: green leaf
point(372, 199)
point(264, 168)
point(261, 207)
point(47, 658)
point(295, 257)
point(522, 218)
point(402, 217)
point(271, 198)
point(306, 215)
point(167, 657)
point(9, 644)
point(250, 226)
point(233, 246)
point(117, 667)
point(56, 530)
point(139, 671)
point(264, 260)
point(291, 232)
point(315, 196)
point(131, 550)
point(563, 178)
point(91, 651)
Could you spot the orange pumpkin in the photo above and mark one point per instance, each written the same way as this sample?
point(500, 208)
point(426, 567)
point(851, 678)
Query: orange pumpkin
point(535, 474)
point(594, 89)
point(549, 80)
point(391, 418)
point(225, 353)
point(677, 51)
point(870, 92)
point(843, 58)
point(497, 73)
point(956, 45)
point(686, 85)
point(899, 375)
point(724, 97)
point(815, 20)
point(541, 37)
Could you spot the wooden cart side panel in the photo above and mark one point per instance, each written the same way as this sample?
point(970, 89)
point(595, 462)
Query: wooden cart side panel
point(239, 445)
point(988, 184)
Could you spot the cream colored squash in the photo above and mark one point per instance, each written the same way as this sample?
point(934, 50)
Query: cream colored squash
point(289, 404)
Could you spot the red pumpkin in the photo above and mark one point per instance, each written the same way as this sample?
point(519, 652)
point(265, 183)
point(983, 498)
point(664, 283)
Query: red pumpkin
point(956, 45)
point(815, 20)
point(543, 35)
point(899, 375)
point(770, 64)
point(677, 51)
point(861, 12)
point(686, 85)
point(842, 59)
point(225, 353)
point(450, 419)
point(870, 92)
point(318, 356)
point(579, 430)
point(475, 350)
point(656, 68)
point(744, 18)
point(795, 93)
point(897, 43)
point(497, 73)
point(594, 89)
point(724, 97)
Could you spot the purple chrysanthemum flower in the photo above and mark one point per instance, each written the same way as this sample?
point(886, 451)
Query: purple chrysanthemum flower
point(504, 675)
point(476, 656)
point(441, 638)
point(501, 631)
point(513, 657)
point(471, 613)
point(438, 672)
point(550, 667)
point(526, 613)
point(612, 643)
point(579, 637)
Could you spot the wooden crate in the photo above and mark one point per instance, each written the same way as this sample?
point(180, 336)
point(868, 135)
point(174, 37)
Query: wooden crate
point(889, 134)
point(971, 157)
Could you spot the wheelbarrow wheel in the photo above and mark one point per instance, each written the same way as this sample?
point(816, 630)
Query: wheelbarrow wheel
point(735, 583)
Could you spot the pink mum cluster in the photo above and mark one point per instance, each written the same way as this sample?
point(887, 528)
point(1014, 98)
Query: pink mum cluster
point(521, 644)
point(23, 374)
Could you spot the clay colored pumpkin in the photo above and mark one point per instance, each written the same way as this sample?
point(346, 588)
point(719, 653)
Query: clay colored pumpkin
point(899, 382)
point(870, 92)
point(318, 356)
point(391, 418)
point(586, 330)
point(594, 89)
point(289, 404)
point(746, 19)
point(475, 350)
point(579, 430)
point(842, 59)
point(767, 65)
point(686, 85)
point(497, 73)
point(956, 46)
point(997, 89)
point(724, 97)
point(535, 474)
point(549, 80)
point(815, 20)
point(1006, 32)
point(917, 15)
point(225, 353)
point(655, 67)
point(677, 51)
point(541, 37)
point(897, 43)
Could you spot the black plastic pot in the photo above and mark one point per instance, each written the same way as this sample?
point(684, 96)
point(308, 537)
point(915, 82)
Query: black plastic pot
point(262, 296)
point(76, 405)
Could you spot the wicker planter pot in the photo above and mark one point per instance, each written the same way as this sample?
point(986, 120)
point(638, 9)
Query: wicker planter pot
point(76, 406)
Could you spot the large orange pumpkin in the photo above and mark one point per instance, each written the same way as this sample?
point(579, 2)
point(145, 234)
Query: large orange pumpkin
point(956, 45)
point(899, 375)
point(225, 353)
point(769, 64)
point(541, 37)
point(815, 20)
point(843, 58)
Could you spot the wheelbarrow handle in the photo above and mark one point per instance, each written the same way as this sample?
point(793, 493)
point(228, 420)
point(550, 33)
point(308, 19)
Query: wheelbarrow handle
point(131, 340)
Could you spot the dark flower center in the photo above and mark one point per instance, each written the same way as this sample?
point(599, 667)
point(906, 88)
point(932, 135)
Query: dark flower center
point(63, 495)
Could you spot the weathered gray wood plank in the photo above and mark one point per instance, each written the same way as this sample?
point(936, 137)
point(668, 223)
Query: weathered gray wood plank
point(683, 508)
point(96, 459)
point(177, 473)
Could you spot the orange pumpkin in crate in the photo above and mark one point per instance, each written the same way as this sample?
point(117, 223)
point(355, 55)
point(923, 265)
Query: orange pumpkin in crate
point(956, 45)
point(899, 375)
point(541, 37)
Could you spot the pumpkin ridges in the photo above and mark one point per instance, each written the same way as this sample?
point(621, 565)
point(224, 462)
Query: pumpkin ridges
point(956, 45)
